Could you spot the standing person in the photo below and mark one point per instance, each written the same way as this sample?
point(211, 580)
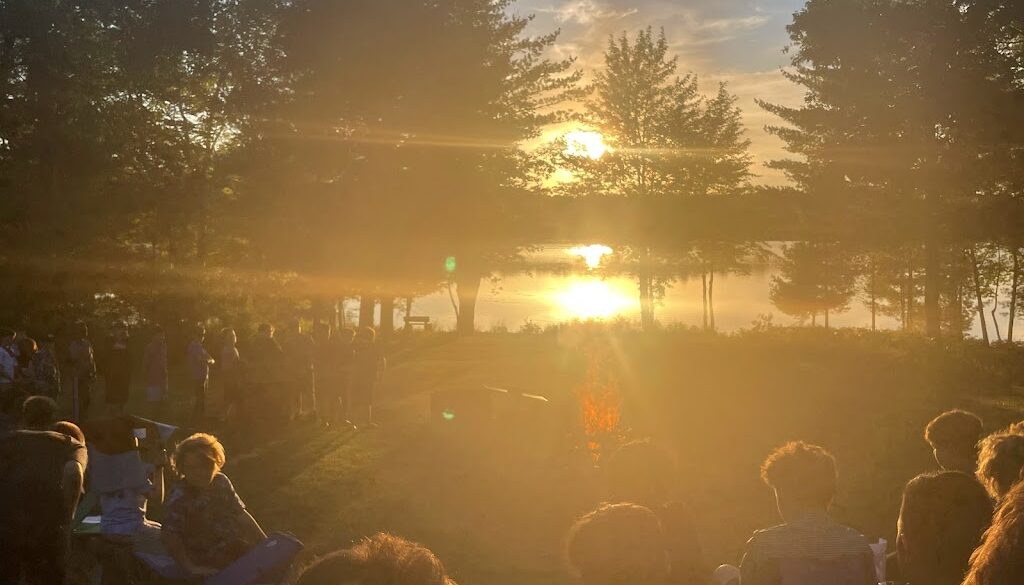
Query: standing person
point(117, 369)
point(8, 359)
point(83, 370)
point(367, 369)
point(41, 476)
point(155, 366)
point(808, 547)
point(298, 350)
point(953, 437)
point(45, 373)
point(24, 374)
point(267, 402)
point(231, 373)
point(199, 362)
point(335, 364)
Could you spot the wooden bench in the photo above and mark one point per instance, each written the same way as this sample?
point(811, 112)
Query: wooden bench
point(411, 322)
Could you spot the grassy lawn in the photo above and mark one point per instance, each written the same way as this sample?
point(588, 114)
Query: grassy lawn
point(494, 502)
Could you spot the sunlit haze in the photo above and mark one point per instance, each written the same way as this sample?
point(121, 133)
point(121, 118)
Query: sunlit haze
point(585, 143)
point(591, 254)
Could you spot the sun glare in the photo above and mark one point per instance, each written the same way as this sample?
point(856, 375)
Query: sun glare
point(583, 143)
point(591, 254)
point(592, 299)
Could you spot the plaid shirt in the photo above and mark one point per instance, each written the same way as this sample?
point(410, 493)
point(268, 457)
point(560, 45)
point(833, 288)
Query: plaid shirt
point(207, 522)
point(811, 550)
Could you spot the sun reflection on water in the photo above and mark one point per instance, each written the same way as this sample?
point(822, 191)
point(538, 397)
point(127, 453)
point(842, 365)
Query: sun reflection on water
point(593, 300)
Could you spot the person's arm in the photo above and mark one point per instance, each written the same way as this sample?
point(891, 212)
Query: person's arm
point(250, 529)
point(176, 549)
point(71, 487)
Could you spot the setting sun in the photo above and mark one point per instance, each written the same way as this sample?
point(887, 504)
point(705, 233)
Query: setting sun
point(593, 299)
point(583, 143)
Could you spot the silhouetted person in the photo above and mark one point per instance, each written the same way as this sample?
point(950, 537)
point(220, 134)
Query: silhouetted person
point(644, 473)
point(11, 410)
point(942, 520)
point(382, 559)
point(231, 374)
point(155, 368)
point(39, 413)
point(298, 348)
point(199, 362)
point(268, 399)
point(206, 526)
point(367, 369)
point(334, 373)
point(8, 358)
point(954, 436)
point(23, 373)
point(117, 369)
point(1000, 558)
point(45, 369)
point(83, 370)
point(41, 475)
point(618, 544)
point(1000, 461)
point(809, 547)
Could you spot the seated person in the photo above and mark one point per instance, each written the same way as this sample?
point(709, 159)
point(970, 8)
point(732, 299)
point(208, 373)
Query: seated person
point(954, 436)
point(1000, 460)
point(39, 413)
point(942, 520)
point(809, 548)
point(126, 483)
point(206, 526)
point(644, 473)
point(619, 544)
point(1000, 558)
point(383, 559)
point(41, 476)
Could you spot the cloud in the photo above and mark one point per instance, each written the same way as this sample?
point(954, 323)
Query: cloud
point(586, 12)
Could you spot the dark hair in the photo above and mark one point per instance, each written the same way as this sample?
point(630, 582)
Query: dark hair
point(80, 329)
point(27, 347)
point(943, 516)
point(954, 429)
point(382, 559)
point(157, 330)
point(265, 328)
point(1000, 460)
point(641, 472)
point(1000, 558)
point(7, 332)
point(69, 429)
point(198, 330)
point(39, 412)
point(801, 471)
point(618, 544)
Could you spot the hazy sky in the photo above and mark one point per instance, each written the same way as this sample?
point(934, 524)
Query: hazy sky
point(738, 41)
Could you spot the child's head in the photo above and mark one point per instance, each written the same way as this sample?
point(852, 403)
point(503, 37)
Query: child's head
point(39, 413)
point(802, 475)
point(618, 544)
point(198, 459)
point(1000, 460)
point(953, 436)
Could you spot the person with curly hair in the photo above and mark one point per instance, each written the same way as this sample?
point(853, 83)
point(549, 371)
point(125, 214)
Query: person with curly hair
point(1000, 558)
point(619, 544)
point(809, 547)
point(206, 526)
point(1000, 460)
point(382, 559)
point(954, 436)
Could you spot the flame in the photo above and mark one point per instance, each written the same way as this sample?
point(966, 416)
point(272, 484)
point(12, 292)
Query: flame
point(600, 403)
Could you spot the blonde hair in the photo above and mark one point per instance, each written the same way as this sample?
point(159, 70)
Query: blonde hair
point(204, 444)
point(1000, 460)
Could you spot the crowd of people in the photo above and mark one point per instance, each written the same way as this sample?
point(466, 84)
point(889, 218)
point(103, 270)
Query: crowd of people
point(329, 375)
point(961, 523)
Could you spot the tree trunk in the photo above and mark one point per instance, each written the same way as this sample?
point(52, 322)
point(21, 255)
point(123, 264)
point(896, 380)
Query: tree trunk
point(711, 297)
point(826, 319)
point(814, 319)
point(979, 296)
point(872, 285)
point(387, 315)
point(1014, 285)
point(646, 292)
point(467, 289)
point(367, 304)
point(911, 297)
point(704, 292)
point(932, 282)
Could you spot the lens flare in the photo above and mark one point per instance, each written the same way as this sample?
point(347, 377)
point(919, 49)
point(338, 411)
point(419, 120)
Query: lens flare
point(591, 254)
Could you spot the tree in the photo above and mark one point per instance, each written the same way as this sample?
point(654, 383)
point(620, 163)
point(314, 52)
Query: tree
point(815, 278)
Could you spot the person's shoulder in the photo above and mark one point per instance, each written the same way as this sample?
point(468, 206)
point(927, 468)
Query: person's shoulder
point(767, 537)
point(851, 535)
point(221, 482)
